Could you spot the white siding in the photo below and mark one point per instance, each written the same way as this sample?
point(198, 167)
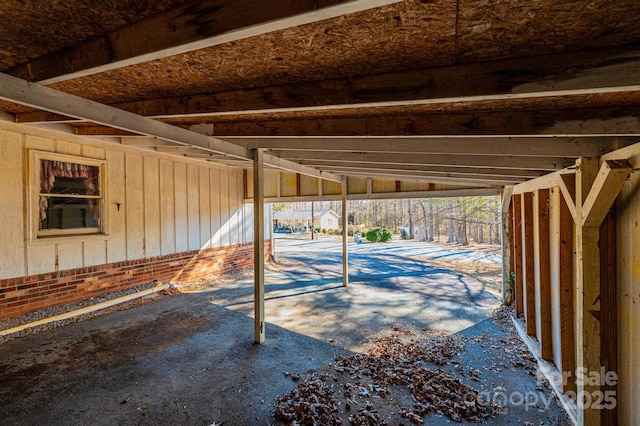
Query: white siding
point(154, 205)
point(12, 236)
point(117, 242)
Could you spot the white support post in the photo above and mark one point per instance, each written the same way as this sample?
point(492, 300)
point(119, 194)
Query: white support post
point(345, 235)
point(258, 244)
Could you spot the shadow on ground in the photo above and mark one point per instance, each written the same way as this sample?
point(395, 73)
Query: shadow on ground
point(189, 359)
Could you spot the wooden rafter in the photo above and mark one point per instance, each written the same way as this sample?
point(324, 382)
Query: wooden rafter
point(190, 27)
point(562, 122)
point(438, 173)
point(580, 122)
point(408, 177)
point(516, 173)
point(503, 162)
point(16, 90)
point(531, 146)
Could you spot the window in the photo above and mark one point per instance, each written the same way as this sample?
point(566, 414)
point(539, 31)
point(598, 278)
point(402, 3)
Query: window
point(69, 196)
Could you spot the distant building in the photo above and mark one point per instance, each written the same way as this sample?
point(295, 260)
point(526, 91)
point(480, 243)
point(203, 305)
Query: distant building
point(300, 220)
point(419, 231)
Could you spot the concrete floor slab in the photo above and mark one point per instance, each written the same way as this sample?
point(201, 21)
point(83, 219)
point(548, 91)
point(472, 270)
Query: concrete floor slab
point(189, 358)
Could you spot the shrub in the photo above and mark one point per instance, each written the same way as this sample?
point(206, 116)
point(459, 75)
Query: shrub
point(404, 234)
point(324, 230)
point(386, 235)
point(375, 235)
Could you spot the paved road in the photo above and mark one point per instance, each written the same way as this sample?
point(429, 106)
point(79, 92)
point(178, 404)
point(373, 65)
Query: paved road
point(399, 248)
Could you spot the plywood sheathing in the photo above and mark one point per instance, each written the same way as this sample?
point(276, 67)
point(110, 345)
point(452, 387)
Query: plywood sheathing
point(33, 28)
point(507, 28)
point(408, 35)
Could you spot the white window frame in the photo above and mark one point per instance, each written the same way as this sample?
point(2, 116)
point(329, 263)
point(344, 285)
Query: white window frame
point(34, 196)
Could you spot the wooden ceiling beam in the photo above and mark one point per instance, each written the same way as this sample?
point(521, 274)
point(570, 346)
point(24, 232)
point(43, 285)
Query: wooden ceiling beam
point(610, 121)
point(577, 73)
point(38, 96)
point(194, 26)
point(483, 161)
point(516, 173)
point(539, 146)
point(144, 141)
point(433, 179)
point(426, 174)
point(577, 122)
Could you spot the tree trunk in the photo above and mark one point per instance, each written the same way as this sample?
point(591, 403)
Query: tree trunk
point(424, 217)
point(430, 220)
point(395, 216)
point(451, 230)
point(462, 229)
point(411, 231)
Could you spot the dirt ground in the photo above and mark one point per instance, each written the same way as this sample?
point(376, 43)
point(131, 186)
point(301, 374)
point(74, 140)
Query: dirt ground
point(188, 358)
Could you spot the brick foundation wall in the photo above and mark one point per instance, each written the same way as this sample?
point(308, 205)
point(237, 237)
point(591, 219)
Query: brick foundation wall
point(19, 296)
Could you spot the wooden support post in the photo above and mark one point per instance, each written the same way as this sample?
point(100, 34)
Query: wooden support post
point(609, 308)
point(542, 272)
point(258, 245)
point(606, 187)
point(528, 263)
point(595, 301)
point(345, 235)
point(517, 254)
point(506, 243)
point(567, 325)
point(512, 257)
point(587, 300)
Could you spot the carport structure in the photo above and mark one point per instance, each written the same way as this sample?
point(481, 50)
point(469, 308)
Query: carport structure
point(188, 111)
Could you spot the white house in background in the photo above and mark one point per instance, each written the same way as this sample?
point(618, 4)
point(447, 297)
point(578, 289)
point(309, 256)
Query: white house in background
point(301, 219)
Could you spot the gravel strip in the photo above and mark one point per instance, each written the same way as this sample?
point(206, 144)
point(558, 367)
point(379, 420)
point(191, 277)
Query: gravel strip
point(57, 310)
point(176, 287)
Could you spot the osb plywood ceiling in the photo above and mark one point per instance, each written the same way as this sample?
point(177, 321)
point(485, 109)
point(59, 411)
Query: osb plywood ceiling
point(512, 70)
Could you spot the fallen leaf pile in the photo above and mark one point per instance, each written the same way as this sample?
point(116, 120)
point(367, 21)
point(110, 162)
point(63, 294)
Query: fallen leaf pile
point(517, 355)
point(311, 403)
point(401, 358)
point(435, 391)
point(398, 360)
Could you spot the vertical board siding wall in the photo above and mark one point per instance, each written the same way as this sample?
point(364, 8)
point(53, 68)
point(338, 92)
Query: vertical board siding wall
point(155, 206)
point(620, 279)
point(628, 300)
